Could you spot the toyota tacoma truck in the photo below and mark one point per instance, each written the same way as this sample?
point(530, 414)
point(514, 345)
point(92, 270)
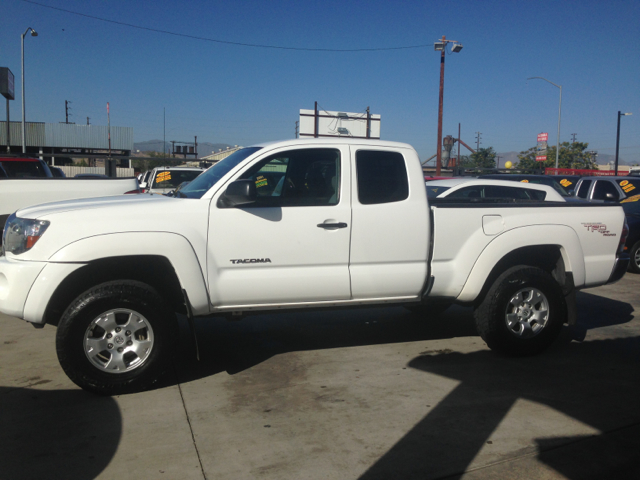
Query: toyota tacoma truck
point(299, 224)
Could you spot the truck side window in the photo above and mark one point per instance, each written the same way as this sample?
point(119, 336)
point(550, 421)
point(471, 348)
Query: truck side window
point(602, 188)
point(305, 177)
point(583, 191)
point(382, 177)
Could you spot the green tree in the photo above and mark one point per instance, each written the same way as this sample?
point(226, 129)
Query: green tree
point(572, 155)
point(156, 159)
point(482, 158)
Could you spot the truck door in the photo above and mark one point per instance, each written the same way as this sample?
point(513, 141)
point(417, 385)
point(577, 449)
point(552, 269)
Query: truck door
point(292, 245)
point(390, 215)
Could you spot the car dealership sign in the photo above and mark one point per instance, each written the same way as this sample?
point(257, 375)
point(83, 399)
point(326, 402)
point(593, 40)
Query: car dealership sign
point(541, 149)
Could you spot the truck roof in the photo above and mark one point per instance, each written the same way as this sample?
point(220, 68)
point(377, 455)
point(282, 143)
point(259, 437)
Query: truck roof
point(336, 140)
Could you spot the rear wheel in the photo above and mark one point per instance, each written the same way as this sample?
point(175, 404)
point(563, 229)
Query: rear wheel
point(634, 264)
point(522, 313)
point(116, 337)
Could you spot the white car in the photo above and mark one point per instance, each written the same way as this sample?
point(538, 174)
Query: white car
point(165, 179)
point(491, 190)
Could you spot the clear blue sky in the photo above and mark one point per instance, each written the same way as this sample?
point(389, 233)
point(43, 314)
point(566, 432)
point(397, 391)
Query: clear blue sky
point(242, 95)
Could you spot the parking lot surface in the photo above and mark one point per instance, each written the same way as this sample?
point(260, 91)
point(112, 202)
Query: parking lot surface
point(351, 394)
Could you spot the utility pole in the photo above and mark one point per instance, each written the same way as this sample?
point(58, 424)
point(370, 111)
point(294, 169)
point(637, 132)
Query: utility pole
point(88, 121)
point(297, 125)
point(498, 157)
point(478, 137)
point(573, 137)
point(441, 98)
point(441, 45)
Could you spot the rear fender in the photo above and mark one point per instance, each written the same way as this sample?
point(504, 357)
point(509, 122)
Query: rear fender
point(559, 235)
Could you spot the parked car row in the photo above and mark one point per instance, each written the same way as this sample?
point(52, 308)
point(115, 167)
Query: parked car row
point(631, 207)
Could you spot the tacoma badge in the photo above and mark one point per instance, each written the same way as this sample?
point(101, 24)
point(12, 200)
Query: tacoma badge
point(252, 260)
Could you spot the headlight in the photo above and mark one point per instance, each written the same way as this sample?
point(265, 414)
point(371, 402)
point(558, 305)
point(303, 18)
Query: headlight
point(20, 234)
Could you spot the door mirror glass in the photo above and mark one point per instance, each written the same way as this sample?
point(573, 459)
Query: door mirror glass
point(238, 193)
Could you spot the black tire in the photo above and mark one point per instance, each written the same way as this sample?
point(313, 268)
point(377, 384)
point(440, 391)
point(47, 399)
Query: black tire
point(634, 263)
point(531, 330)
point(127, 361)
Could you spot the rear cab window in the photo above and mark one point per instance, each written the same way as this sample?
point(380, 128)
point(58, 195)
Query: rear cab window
point(381, 177)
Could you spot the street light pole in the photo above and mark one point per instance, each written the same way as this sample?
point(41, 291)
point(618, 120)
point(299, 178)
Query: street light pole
point(559, 114)
point(441, 45)
point(24, 127)
point(620, 114)
point(439, 144)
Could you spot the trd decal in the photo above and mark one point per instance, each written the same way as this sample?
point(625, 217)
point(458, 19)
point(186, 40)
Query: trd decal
point(251, 260)
point(600, 228)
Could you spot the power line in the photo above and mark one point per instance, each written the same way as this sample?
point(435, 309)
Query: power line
point(240, 44)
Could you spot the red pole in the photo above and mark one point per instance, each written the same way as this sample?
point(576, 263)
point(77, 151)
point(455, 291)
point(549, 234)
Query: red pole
point(458, 162)
point(439, 144)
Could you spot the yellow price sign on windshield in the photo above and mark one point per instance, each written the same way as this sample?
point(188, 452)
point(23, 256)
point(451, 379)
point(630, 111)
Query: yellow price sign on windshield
point(163, 177)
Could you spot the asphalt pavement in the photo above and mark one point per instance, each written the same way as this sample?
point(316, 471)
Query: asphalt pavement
point(353, 394)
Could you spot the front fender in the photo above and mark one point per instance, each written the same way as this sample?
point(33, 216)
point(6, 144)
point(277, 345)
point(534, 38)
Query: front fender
point(176, 248)
point(562, 236)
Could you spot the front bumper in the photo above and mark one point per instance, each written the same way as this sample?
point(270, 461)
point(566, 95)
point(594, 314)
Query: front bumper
point(619, 268)
point(16, 279)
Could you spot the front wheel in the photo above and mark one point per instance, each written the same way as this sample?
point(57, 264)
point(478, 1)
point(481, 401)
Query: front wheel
point(116, 338)
point(522, 313)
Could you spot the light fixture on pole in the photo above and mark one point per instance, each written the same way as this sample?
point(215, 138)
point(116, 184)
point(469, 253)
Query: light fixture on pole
point(24, 128)
point(559, 112)
point(441, 46)
point(620, 114)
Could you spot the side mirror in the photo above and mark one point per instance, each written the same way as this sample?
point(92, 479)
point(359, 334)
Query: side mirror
point(610, 197)
point(142, 185)
point(239, 193)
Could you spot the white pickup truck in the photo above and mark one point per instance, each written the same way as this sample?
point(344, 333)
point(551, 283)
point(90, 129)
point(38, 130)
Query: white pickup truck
point(291, 225)
point(28, 181)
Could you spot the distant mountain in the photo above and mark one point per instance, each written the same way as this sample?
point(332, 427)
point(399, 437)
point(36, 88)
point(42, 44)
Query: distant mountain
point(204, 148)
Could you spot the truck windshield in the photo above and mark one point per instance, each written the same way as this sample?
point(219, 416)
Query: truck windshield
point(198, 187)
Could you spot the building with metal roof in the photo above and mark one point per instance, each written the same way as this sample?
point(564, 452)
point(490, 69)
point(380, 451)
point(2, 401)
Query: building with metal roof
point(46, 139)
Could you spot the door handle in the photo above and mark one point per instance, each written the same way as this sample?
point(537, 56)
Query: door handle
point(332, 225)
